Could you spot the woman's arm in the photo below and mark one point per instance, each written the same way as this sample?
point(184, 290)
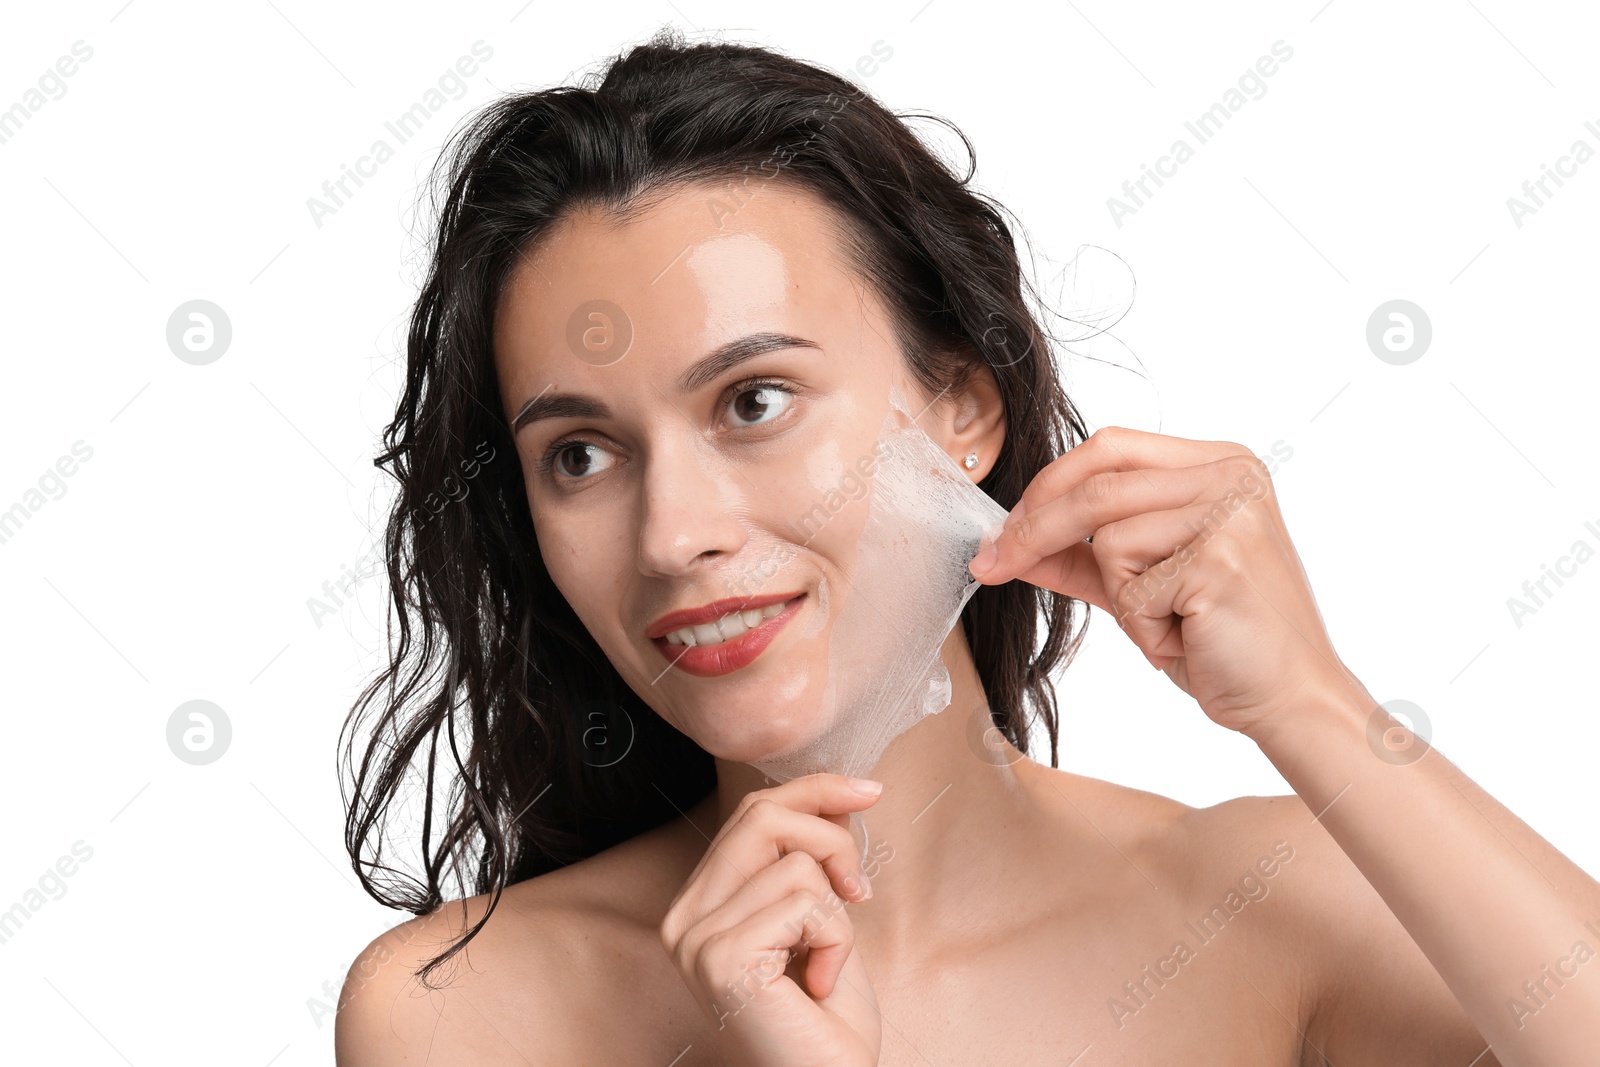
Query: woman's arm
point(1190, 554)
point(1511, 925)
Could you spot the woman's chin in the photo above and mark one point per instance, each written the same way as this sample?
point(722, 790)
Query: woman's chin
point(775, 739)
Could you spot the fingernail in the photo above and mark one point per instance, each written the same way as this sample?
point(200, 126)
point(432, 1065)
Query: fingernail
point(1016, 513)
point(985, 561)
point(866, 786)
point(866, 886)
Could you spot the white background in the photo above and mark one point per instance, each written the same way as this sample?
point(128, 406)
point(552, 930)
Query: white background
point(218, 499)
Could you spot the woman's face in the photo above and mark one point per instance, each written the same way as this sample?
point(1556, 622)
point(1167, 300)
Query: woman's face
point(660, 477)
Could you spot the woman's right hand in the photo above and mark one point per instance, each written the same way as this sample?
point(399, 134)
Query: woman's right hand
point(772, 882)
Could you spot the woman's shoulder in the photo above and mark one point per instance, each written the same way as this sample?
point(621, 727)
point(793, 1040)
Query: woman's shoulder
point(1195, 851)
point(537, 946)
point(1265, 859)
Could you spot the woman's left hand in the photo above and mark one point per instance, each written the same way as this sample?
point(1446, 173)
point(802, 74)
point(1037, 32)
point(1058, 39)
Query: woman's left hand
point(1190, 554)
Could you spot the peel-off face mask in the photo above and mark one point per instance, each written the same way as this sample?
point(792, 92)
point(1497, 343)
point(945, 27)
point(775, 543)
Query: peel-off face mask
point(924, 519)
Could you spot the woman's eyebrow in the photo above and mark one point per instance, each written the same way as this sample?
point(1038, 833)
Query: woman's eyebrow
point(724, 358)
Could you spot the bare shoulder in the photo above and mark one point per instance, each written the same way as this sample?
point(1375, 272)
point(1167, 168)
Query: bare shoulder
point(1254, 831)
point(387, 1014)
point(1366, 994)
point(1199, 844)
point(521, 989)
point(1191, 848)
point(1271, 856)
point(1120, 812)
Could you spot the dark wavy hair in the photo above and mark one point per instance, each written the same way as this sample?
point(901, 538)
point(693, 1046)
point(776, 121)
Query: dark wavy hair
point(490, 663)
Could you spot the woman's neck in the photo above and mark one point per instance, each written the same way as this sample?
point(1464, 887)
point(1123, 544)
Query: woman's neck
point(956, 799)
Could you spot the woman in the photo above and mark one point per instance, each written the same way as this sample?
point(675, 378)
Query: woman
point(652, 306)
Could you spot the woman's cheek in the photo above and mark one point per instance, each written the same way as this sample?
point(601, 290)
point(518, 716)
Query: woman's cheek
point(563, 560)
point(589, 572)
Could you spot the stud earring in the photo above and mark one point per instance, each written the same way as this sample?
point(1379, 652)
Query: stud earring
point(972, 460)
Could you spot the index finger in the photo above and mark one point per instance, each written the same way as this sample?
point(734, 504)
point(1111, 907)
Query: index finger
point(1043, 538)
point(768, 824)
point(1117, 448)
point(830, 796)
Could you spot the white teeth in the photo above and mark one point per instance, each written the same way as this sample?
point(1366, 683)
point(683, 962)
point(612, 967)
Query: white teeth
point(724, 629)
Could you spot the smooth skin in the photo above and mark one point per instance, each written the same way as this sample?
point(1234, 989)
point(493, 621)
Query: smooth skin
point(1017, 913)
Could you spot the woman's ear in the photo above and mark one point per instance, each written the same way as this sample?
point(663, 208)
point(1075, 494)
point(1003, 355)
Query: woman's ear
point(972, 423)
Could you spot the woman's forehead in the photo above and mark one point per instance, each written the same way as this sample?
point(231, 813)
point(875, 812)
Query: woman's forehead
point(774, 224)
point(683, 277)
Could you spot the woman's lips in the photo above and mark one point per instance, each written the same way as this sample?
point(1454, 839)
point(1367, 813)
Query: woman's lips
point(709, 661)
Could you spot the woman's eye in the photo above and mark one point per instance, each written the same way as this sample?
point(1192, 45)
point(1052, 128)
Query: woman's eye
point(753, 403)
point(574, 459)
point(758, 401)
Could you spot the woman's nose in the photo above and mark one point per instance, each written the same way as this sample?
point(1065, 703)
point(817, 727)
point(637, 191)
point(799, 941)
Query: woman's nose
point(691, 503)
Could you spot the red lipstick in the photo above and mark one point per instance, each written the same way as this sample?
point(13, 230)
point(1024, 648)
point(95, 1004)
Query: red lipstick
point(677, 620)
point(709, 661)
